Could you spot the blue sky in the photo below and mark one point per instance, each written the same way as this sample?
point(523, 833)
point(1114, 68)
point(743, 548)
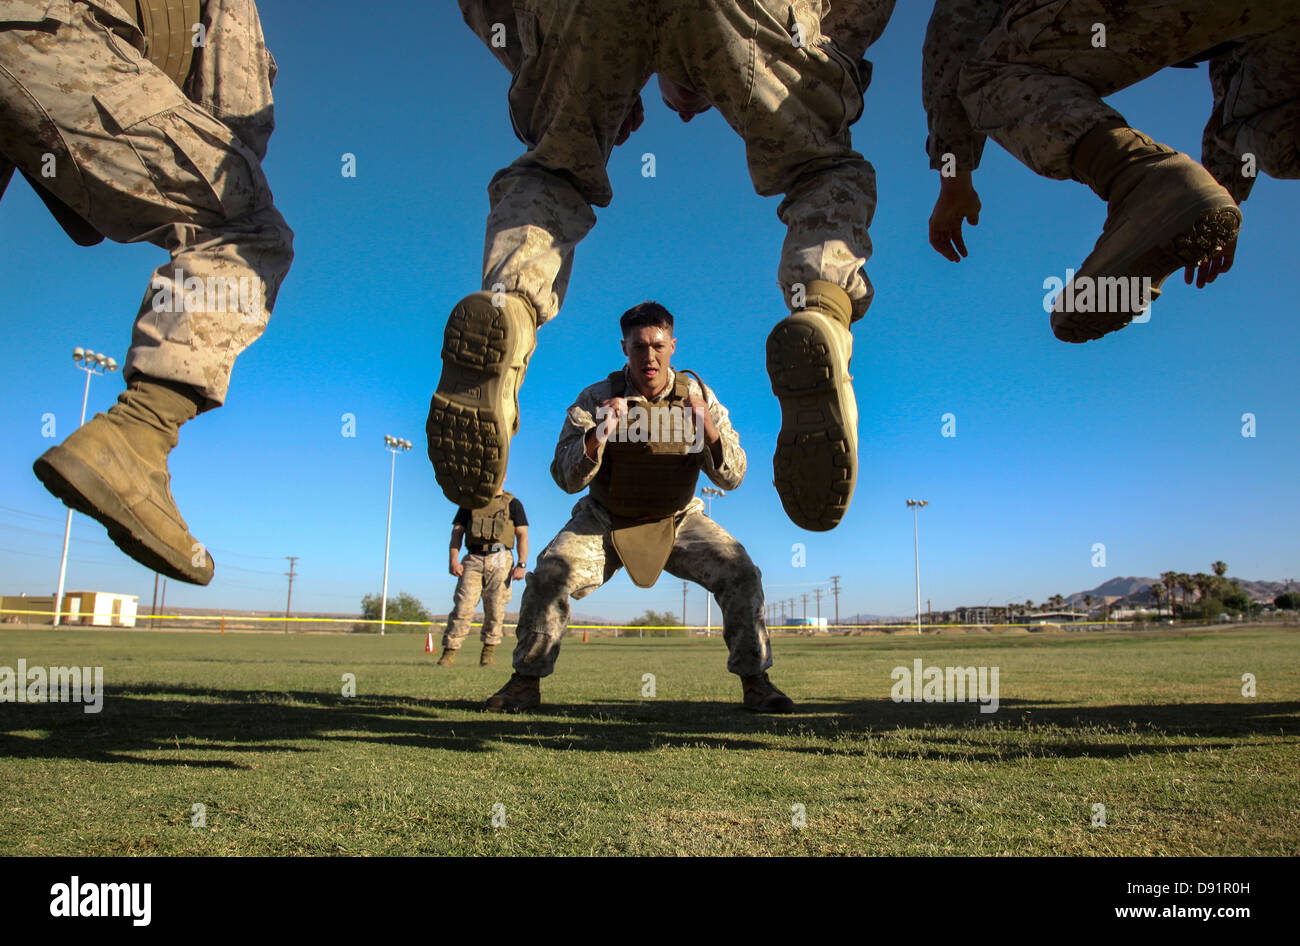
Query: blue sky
point(1134, 441)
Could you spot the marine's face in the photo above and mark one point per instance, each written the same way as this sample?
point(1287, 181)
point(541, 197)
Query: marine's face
point(649, 349)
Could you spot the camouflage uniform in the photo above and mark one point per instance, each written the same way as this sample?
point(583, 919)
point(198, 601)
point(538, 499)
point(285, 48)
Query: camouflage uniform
point(1036, 82)
point(138, 159)
point(1256, 111)
point(484, 576)
point(579, 68)
point(582, 558)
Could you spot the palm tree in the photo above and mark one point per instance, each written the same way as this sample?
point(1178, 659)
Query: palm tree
point(1187, 586)
point(1219, 568)
point(1087, 603)
point(1170, 581)
point(1056, 601)
point(1204, 584)
point(1157, 592)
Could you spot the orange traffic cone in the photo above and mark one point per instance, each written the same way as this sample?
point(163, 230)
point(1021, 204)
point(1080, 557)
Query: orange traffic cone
point(428, 643)
point(584, 635)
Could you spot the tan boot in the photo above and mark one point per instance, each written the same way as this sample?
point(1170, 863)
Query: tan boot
point(519, 694)
point(475, 410)
point(114, 469)
point(761, 696)
point(485, 658)
point(1165, 212)
point(815, 466)
point(448, 657)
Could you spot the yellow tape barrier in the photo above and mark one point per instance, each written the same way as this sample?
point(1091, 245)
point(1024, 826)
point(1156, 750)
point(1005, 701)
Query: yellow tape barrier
point(237, 619)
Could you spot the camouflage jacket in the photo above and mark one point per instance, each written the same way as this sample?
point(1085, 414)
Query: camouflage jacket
point(573, 470)
point(956, 29)
point(231, 75)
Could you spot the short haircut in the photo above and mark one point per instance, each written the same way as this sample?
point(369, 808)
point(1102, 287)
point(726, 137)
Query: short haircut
point(646, 314)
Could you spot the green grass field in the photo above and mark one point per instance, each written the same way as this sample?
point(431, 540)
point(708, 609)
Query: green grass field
point(1152, 725)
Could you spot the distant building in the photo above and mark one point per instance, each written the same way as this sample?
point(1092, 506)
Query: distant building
point(42, 604)
point(817, 623)
point(99, 608)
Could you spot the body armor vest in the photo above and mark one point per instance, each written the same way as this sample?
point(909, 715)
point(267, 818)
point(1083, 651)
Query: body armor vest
point(168, 27)
point(492, 523)
point(654, 478)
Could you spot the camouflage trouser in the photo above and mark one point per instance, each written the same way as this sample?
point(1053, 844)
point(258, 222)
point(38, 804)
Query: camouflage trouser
point(107, 133)
point(1036, 83)
point(1256, 111)
point(484, 576)
point(582, 558)
point(761, 63)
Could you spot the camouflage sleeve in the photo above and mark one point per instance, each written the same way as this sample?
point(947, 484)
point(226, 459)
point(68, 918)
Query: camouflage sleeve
point(495, 19)
point(1225, 165)
point(233, 72)
point(572, 469)
point(734, 463)
point(956, 29)
point(854, 25)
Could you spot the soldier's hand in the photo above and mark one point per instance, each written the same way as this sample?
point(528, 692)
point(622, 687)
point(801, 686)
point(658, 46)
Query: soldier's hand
point(700, 413)
point(630, 124)
point(517, 573)
point(456, 568)
point(1212, 268)
point(685, 102)
point(957, 201)
point(614, 408)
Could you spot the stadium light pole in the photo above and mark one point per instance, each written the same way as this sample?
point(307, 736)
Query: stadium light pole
point(87, 361)
point(915, 505)
point(393, 445)
point(708, 492)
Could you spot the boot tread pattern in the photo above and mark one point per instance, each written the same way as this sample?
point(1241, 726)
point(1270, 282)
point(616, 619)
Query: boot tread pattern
point(813, 434)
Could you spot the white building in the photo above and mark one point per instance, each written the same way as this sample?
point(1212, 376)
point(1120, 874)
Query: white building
point(99, 608)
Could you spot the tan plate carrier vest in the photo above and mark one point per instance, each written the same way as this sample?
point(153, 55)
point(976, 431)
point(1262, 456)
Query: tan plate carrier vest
point(168, 27)
point(645, 485)
point(492, 523)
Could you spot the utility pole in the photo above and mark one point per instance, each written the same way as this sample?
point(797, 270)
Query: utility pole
point(683, 602)
point(805, 606)
point(154, 610)
point(817, 593)
point(87, 361)
point(914, 505)
point(289, 601)
point(835, 590)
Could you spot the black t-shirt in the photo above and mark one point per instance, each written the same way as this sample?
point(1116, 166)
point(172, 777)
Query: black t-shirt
point(516, 515)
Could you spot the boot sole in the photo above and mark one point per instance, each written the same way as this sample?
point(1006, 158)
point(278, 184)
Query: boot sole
point(779, 710)
point(1213, 227)
point(510, 707)
point(815, 464)
point(79, 487)
point(468, 443)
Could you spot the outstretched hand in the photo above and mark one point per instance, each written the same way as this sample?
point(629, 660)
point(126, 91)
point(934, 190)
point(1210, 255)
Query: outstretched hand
point(631, 123)
point(1212, 268)
point(957, 201)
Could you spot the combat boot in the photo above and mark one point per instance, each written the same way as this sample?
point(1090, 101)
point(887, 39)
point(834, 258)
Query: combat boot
point(762, 696)
point(475, 409)
point(1165, 212)
point(114, 469)
point(448, 657)
point(519, 694)
point(485, 658)
point(815, 465)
